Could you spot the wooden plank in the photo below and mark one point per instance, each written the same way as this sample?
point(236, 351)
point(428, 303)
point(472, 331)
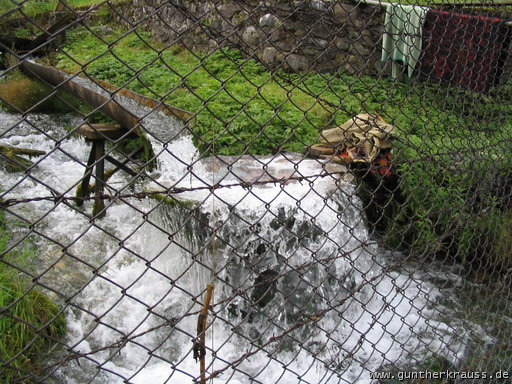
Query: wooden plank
point(84, 189)
point(103, 131)
point(151, 103)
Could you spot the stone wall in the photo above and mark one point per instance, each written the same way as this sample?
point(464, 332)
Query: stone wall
point(299, 36)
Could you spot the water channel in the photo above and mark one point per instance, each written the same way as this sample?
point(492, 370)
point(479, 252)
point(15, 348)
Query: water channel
point(132, 281)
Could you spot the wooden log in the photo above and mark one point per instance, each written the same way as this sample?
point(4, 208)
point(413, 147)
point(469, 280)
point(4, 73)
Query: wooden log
point(120, 165)
point(151, 103)
point(10, 43)
point(47, 38)
point(13, 162)
point(7, 150)
point(84, 189)
point(44, 40)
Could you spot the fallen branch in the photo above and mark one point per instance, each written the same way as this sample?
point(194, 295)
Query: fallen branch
point(199, 344)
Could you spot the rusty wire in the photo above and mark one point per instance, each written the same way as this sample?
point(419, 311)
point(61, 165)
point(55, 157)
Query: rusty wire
point(329, 265)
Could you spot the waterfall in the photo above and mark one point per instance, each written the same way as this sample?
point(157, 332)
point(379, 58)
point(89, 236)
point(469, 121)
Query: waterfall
point(279, 253)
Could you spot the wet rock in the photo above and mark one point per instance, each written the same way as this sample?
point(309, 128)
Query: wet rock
point(278, 34)
point(251, 36)
point(317, 43)
point(331, 53)
point(298, 63)
point(264, 288)
point(361, 49)
point(286, 45)
point(269, 55)
point(228, 10)
point(354, 64)
point(343, 44)
point(344, 12)
point(269, 20)
point(319, 5)
point(317, 30)
point(322, 32)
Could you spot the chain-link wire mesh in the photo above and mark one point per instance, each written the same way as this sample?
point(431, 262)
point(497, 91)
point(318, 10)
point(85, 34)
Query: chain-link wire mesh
point(255, 192)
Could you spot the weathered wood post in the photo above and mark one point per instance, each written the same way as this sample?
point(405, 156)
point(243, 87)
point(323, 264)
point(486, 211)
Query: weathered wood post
point(98, 134)
point(98, 209)
point(83, 189)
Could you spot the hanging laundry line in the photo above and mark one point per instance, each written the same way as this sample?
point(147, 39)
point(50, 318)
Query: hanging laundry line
point(461, 49)
point(402, 39)
point(386, 3)
point(468, 51)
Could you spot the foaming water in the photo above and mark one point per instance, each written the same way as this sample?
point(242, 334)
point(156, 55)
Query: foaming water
point(133, 278)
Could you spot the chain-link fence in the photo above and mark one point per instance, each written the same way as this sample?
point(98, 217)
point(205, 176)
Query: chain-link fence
point(233, 191)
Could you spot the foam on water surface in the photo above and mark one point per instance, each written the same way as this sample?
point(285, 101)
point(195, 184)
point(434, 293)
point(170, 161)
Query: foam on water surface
point(132, 277)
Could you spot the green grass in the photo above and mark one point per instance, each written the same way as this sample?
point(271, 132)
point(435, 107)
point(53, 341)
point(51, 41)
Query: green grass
point(451, 141)
point(234, 98)
point(237, 108)
point(29, 320)
point(30, 8)
point(452, 152)
point(40, 8)
point(35, 8)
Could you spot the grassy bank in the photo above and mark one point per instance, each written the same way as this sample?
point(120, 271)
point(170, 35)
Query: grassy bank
point(36, 8)
point(451, 198)
point(29, 320)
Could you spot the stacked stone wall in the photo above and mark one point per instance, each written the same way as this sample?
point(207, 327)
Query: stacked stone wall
point(298, 36)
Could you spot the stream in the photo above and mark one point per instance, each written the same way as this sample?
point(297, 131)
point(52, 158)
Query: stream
point(133, 281)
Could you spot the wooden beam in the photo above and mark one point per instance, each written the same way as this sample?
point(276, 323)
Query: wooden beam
point(68, 83)
point(84, 189)
point(103, 131)
point(121, 165)
point(98, 146)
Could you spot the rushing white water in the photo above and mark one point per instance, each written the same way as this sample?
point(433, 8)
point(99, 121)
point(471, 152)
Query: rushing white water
point(133, 280)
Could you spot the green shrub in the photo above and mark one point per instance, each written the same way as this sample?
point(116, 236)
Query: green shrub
point(29, 320)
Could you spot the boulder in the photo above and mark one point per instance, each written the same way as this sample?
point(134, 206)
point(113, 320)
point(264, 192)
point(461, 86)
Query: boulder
point(251, 36)
point(298, 63)
point(269, 21)
point(319, 5)
point(269, 56)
